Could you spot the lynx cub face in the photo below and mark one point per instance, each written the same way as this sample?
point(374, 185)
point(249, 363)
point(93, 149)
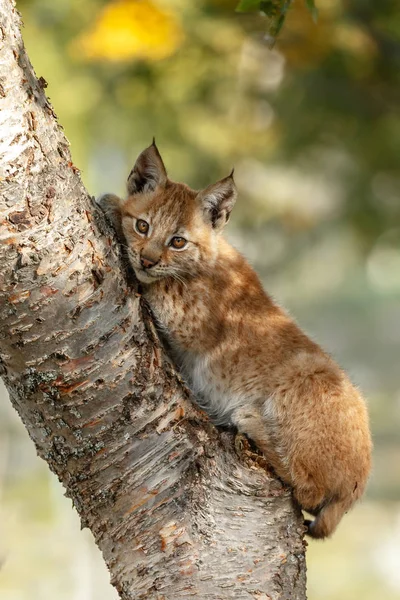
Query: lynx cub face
point(170, 229)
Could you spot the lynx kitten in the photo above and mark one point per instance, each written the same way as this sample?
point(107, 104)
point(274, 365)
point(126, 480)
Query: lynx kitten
point(245, 359)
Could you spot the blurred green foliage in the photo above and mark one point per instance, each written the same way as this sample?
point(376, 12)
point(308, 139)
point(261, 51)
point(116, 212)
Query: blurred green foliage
point(220, 97)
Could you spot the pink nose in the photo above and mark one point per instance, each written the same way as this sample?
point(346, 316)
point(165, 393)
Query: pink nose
point(146, 262)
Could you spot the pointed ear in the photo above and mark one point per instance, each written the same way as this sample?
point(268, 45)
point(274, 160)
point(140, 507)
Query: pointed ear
point(148, 172)
point(217, 201)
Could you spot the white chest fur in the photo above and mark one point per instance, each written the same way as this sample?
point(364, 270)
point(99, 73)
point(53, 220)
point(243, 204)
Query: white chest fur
point(211, 394)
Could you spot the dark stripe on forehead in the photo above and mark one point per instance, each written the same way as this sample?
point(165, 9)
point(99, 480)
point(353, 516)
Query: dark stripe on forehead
point(169, 207)
point(174, 205)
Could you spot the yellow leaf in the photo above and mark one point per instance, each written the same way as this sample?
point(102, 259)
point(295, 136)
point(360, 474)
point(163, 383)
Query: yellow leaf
point(130, 29)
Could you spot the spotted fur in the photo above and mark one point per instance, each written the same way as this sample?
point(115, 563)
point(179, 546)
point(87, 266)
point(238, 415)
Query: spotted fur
point(246, 360)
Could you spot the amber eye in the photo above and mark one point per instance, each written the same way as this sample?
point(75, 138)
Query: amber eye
point(178, 242)
point(142, 226)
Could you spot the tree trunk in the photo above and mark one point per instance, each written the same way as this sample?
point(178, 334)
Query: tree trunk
point(174, 510)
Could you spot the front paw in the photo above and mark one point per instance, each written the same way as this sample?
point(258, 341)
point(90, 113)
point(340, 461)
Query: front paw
point(249, 453)
point(108, 202)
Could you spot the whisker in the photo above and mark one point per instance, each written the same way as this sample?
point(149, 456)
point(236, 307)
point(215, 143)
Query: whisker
point(178, 278)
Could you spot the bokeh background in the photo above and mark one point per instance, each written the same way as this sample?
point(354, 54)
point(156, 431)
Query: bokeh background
point(313, 130)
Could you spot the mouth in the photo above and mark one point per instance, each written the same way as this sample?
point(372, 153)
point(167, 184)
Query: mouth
point(144, 276)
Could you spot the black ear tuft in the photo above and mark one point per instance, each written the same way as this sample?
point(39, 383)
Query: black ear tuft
point(217, 201)
point(148, 172)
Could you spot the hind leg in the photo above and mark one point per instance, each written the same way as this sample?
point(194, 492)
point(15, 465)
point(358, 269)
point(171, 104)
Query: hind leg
point(323, 495)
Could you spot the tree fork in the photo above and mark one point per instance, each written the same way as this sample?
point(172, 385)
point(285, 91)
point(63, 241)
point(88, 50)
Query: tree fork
point(174, 510)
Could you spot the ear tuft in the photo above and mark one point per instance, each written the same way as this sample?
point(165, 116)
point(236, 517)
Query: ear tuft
point(217, 201)
point(148, 172)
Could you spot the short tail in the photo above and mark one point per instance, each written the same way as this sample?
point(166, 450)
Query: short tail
point(327, 519)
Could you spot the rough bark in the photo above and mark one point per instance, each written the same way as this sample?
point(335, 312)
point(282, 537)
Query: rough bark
point(173, 509)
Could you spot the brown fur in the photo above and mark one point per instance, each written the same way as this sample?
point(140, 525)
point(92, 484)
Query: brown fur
point(247, 361)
